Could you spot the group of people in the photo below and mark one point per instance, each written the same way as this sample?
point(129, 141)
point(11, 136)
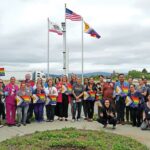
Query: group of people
point(118, 102)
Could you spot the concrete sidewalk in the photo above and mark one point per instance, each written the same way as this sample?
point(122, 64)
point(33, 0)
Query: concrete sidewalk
point(126, 130)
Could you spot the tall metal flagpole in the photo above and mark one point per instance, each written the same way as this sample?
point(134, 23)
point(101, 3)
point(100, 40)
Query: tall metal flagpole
point(82, 53)
point(64, 45)
point(48, 50)
point(67, 51)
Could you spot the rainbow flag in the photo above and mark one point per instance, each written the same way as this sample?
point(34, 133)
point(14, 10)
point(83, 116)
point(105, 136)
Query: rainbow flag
point(53, 98)
point(19, 100)
point(98, 96)
point(125, 89)
point(118, 90)
point(69, 88)
point(135, 100)
point(41, 96)
point(92, 94)
point(26, 98)
point(2, 72)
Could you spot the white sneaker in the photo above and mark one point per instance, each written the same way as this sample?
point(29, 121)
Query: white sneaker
point(1, 126)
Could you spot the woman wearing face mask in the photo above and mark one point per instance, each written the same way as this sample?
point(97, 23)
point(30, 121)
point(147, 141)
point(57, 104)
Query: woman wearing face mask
point(22, 109)
point(107, 115)
point(146, 115)
point(10, 92)
point(51, 93)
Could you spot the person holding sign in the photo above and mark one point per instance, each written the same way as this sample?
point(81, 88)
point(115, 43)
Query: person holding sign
point(10, 93)
point(137, 99)
point(22, 108)
point(52, 94)
point(39, 101)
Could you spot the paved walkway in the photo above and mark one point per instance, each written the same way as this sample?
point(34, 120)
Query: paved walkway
point(126, 130)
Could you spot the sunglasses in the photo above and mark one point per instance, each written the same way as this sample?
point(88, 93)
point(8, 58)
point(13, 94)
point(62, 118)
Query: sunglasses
point(1, 82)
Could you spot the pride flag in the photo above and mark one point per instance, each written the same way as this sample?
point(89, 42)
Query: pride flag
point(2, 72)
point(98, 96)
point(125, 89)
point(19, 100)
point(92, 94)
point(26, 98)
point(41, 96)
point(69, 88)
point(53, 98)
point(118, 90)
point(135, 100)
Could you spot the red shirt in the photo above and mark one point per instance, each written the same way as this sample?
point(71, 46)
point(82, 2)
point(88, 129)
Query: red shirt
point(108, 89)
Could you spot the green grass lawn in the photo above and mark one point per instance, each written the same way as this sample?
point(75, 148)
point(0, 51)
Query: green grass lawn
point(72, 139)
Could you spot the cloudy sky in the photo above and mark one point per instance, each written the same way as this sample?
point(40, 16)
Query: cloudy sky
point(124, 26)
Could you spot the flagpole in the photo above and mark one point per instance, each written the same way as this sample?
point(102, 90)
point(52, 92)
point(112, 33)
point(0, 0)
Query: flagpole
point(48, 50)
point(67, 51)
point(82, 53)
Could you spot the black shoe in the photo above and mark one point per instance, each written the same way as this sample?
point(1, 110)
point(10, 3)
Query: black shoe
point(24, 124)
point(19, 124)
point(28, 122)
point(114, 127)
point(47, 120)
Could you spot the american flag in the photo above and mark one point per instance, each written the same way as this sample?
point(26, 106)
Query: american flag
point(72, 16)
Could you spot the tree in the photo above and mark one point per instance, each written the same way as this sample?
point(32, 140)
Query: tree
point(144, 71)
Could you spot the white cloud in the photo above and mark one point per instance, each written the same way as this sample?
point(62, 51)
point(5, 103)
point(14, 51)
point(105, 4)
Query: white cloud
point(123, 25)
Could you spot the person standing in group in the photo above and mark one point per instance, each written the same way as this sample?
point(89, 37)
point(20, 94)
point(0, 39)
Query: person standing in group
point(107, 92)
point(128, 109)
point(10, 93)
point(84, 102)
point(73, 79)
point(29, 85)
point(99, 94)
point(121, 90)
point(29, 89)
point(66, 92)
point(39, 104)
point(91, 89)
point(142, 88)
point(2, 106)
point(39, 81)
point(146, 115)
point(52, 94)
point(78, 90)
point(58, 109)
point(148, 89)
point(28, 79)
point(136, 100)
point(22, 109)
